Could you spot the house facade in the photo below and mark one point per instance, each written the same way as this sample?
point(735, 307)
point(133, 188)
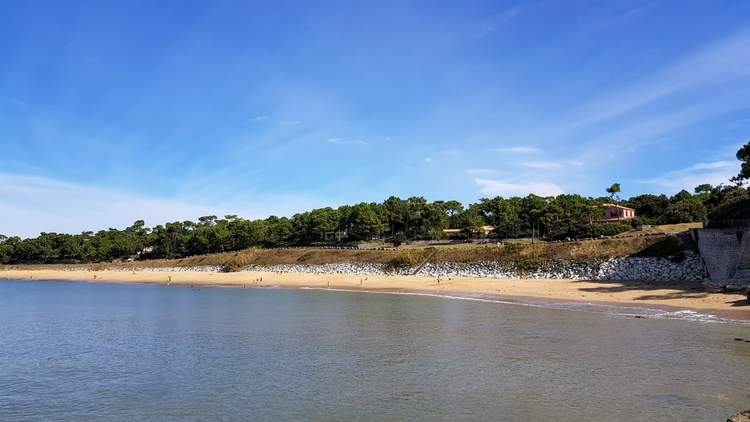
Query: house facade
point(485, 230)
point(614, 212)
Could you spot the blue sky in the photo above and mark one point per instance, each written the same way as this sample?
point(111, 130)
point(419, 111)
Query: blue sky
point(172, 110)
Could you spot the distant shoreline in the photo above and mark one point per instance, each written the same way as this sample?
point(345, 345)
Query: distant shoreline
point(542, 292)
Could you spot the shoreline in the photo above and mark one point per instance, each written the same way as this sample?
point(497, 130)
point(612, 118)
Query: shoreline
point(643, 299)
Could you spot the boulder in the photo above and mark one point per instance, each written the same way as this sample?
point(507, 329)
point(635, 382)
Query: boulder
point(713, 286)
point(740, 417)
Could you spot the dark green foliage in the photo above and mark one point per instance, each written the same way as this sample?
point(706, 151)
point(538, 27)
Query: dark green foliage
point(649, 208)
point(398, 239)
point(744, 156)
point(728, 203)
point(395, 219)
point(231, 267)
point(602, 229)
point(671, 247)
point(613, 191)
point(684, 211)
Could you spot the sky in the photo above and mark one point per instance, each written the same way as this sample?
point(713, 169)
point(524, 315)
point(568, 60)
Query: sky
point(163, 111)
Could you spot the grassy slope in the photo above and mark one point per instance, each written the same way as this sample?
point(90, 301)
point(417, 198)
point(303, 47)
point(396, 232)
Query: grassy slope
point(575, 251)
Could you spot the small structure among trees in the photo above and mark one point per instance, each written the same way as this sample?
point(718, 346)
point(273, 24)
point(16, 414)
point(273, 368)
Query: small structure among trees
point(484, 230)
point(614, 212)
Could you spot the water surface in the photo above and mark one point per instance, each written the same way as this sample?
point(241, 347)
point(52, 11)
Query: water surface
point(84, 351)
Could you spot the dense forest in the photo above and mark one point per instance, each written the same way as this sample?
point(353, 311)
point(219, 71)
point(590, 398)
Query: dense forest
point(395, 220)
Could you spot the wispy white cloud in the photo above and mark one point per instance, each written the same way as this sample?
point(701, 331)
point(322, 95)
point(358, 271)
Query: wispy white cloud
point(32, 204)
point(508, 188)
point(714, 172)
point(516, 150)
point(453, 152)
point(480, 172)
point(714, 165)
point(511, 13)
point(550, 165)
point(342, 141)
point(722, 61)
point(428, 160)
point(259, 118)
point(497, 21)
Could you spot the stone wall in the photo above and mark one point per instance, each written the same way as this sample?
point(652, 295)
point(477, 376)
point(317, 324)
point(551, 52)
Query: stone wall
point(725, 252)
point(629, 268)
point(643, 269)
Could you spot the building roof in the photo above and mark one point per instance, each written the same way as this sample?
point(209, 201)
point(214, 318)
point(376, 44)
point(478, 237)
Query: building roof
point(622, 207)
point(483, 228)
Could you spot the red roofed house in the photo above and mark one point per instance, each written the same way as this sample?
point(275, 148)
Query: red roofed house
point(484, 229)
point(614, 212)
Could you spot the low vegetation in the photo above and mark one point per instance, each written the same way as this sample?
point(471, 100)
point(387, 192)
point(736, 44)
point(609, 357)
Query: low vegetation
point(520, 254)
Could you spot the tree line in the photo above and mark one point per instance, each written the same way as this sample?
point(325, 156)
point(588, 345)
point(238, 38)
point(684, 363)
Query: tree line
point(395, 220)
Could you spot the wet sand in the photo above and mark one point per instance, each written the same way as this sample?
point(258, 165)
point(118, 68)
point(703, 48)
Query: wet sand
point(626, 294)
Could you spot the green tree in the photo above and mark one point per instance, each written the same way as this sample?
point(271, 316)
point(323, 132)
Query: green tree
point(470, 221)
point(682, 195)
point(743, 154)
point(684, 211)
point(649, 208)
point(365, 222)
point(613, 192)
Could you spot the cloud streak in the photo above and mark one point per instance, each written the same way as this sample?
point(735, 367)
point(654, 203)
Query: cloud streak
point(723, 61)
point(506, 188)
point(32, 204)
point(341, 141)
point(480, 172)
point(550, 165)
point(516, 150)
point(714, 172)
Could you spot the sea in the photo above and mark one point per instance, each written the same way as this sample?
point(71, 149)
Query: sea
point(82, 351)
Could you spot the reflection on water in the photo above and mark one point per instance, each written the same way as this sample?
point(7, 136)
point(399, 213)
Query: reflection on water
point(78, 351)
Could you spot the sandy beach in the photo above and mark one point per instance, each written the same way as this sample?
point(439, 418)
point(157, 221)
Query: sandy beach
point(645, 295)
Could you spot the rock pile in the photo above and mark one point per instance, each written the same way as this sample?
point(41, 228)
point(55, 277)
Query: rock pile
point(352, 269)
point(740, 417)
point(197, 268)
point(644, 269)
point(630, 268)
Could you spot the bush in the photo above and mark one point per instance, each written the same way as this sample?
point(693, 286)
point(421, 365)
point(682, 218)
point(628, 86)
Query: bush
point(402, 261)
point(398, 239)
point(231, 267)
point(684, 211)
point(603, 229)
point(734, 205)
point(305, 256)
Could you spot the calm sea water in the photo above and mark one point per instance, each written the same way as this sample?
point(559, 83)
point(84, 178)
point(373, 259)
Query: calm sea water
point(80, 352)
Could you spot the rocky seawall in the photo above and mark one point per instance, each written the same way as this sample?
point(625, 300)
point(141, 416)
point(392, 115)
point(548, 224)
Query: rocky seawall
point(644, 269)
point(629, 268)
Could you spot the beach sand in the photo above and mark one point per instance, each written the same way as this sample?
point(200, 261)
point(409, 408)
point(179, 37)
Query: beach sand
point(631, 294)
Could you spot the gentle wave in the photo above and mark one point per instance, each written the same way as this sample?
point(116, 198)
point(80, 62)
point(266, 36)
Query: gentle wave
point(598, 308)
